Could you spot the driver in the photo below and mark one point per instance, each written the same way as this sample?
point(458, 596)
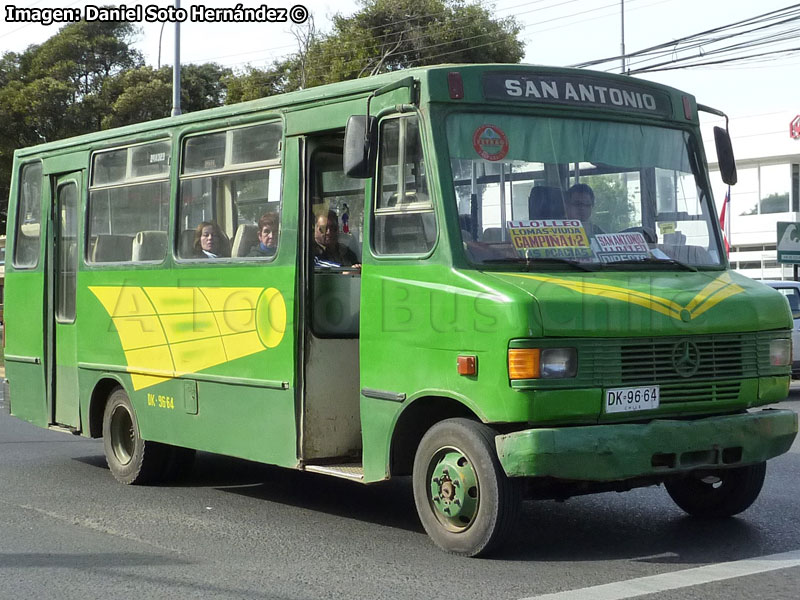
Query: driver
point(579, 204)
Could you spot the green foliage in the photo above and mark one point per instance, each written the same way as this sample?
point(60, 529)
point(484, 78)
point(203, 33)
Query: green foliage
point(87, 77)
point(252, 84)
point(54, 90)
point(145, 94)
point(389, 35)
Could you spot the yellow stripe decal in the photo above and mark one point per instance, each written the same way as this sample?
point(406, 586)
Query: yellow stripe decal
point(711, 295)
point(185, 330)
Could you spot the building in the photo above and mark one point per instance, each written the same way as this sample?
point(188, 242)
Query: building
point(768, 190)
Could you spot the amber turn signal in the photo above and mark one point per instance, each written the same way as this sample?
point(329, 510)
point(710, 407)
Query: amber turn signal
point(467, 365)
point(523, 363)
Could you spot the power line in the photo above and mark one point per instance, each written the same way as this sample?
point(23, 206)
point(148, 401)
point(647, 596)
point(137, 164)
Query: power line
point(769, 39)
point(689, 38)
point(468, 24)
point(359, 64)
point(611, 14)
point(666, 67)
point(765, 30)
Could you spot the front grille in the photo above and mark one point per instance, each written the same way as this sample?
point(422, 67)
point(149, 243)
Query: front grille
point(699, 391)
point(655, 362)
point(721, 365)
point(713, 371)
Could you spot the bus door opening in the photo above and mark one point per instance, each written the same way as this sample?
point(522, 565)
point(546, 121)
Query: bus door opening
point(64, 389)
point(331, 430)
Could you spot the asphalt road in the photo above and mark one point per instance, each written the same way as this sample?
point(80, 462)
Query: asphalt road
point(240, 530)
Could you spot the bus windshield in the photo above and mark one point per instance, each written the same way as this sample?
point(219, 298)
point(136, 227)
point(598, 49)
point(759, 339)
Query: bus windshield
point(599, 194)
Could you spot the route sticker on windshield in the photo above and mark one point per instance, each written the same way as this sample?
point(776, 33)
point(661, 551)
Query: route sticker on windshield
point(614, 247)
point(550, 239)
point(490, 142)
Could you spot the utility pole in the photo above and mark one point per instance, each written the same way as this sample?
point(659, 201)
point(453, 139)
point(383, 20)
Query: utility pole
point(176, 67)
point(622, 46)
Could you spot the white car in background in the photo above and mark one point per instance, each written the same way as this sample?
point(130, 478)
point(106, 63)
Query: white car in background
point(791, 290)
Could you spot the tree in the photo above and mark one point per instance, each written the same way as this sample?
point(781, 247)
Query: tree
point(145, 94)
point(53, 90)
point(84, 56)
point(253, 84)
point(389, 35)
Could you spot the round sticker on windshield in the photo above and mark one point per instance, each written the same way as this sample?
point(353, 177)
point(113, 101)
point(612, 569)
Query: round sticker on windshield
point(490, 142)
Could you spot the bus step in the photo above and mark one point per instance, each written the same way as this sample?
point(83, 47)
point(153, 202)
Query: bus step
point(352, 471)
point(64, 429)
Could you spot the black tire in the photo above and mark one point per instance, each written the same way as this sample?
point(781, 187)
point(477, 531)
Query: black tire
point(131, 459)
point(725, 493)
point(482, 503)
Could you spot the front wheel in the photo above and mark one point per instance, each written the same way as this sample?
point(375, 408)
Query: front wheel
point(464, 499)
point(724, 493)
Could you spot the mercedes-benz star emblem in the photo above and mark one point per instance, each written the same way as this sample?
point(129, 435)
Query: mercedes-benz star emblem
point(685, 358)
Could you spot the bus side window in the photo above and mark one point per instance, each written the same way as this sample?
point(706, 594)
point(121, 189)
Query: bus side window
point(128, 208)
point(403, 214)
point(230, 194)
point(29, 217)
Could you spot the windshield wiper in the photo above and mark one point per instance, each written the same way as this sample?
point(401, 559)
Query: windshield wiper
point(530, 262)
point(652, 260)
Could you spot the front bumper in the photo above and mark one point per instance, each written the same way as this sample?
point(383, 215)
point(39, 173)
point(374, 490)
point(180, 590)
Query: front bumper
point(661, 447)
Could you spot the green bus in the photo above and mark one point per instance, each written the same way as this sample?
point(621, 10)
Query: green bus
point(505, 281)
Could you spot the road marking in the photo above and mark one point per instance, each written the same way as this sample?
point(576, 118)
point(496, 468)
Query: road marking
point(674, 580)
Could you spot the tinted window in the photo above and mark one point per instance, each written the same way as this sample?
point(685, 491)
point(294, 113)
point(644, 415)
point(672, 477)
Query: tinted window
point(128, 217)
point(29, 217)
point(150, 160)
point(404, 218)
point(225, 208)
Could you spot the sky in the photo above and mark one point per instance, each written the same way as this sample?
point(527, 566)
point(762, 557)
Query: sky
point(556, 32)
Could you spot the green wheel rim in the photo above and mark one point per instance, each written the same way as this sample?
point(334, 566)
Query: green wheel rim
point(454, 492)
point(123, 437)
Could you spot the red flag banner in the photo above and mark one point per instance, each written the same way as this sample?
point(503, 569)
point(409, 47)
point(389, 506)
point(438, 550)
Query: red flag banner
point(724, 220)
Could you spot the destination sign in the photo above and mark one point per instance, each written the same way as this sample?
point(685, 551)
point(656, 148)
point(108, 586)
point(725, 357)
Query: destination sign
point(575, 91)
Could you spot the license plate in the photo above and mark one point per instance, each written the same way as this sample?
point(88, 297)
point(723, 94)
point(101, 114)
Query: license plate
point(631, 399)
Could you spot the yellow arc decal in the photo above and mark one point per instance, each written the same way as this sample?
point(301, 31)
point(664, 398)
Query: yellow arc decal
point(170, 331)
point(715, 292)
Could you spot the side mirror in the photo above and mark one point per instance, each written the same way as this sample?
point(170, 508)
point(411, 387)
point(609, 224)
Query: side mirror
point(727, 165)
point(360, 146)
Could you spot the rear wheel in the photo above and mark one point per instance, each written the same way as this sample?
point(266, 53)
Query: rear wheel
point(465, 501)
point(724, 493)
point(131, 459)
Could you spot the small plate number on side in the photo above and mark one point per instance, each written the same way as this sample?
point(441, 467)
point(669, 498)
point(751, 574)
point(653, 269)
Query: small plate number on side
point(631, 399)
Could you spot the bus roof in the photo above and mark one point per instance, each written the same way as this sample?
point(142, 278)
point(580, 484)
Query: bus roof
point(331, 91)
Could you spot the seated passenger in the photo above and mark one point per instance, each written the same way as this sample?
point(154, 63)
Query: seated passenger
point(327, 251)
point(267, 236)
point(209, 241)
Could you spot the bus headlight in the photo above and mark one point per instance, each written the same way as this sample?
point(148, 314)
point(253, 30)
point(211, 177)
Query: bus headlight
point(780, 352)
point(542, 363)
point(559, 362)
